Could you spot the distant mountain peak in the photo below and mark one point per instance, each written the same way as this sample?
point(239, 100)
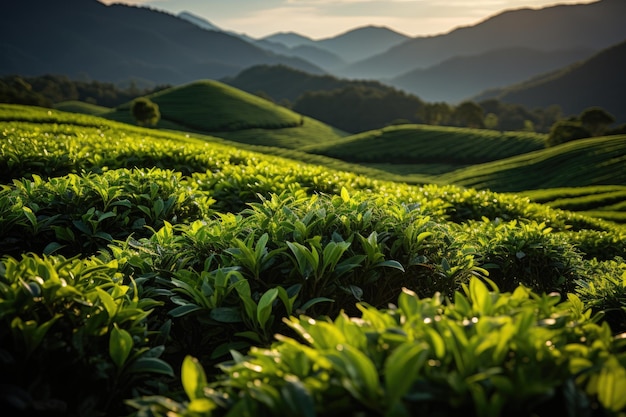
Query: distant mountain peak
point(289, 39)
point(199, 21)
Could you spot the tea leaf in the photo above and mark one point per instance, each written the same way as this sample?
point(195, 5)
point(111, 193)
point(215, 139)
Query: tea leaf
point(120, 345)
point(264, 308)
point(193, 378)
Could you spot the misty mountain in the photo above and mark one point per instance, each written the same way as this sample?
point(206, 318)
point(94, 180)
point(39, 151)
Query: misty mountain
point(199, 21)
point(597, 81)
point(563, 27)
point(309, 52)
point(87, 39)
point(289, 39)
point(461, 77)
point(354, 45)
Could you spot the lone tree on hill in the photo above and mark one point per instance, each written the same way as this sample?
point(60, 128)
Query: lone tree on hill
point(596, 120)
point(145, 111)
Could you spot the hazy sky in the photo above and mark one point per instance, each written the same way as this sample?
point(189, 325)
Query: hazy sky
point(326, 18)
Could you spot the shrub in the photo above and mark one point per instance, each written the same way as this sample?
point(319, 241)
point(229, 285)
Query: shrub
point(487, 353)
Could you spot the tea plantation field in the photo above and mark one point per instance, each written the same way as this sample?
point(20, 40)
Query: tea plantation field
point(147, 272)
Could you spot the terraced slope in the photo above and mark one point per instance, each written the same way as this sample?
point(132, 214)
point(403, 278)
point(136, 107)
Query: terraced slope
point(428, 149)
point(586, 162)
point(75, 106)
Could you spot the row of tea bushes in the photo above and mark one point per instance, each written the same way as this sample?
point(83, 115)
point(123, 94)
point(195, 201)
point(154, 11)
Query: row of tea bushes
point(159, 274)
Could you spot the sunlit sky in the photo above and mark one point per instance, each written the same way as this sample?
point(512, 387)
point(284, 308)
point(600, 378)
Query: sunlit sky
point(326, 18)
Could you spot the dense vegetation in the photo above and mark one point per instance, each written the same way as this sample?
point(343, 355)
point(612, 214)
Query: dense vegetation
point(358, 105)
point(152, 273)
point(49, 90)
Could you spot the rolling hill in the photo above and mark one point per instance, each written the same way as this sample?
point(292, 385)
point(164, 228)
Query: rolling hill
point(87, 39)
point(428, 150)
point(563, 27)
point(580, 163)
point(212, 107)
point(597, 81)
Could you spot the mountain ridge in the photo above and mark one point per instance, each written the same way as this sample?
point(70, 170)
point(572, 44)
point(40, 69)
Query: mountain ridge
point(553, 28)
point(462, 77)
point(596, 81)
point(119, 42)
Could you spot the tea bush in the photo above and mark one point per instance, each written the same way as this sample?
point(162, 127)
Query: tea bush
point(75, 337)
point(125, 253)
point(487, 353)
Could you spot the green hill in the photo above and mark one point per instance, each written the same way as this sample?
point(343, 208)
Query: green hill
point(213, 107)
point(425, 149)
point(75, 106)
point(585, 162)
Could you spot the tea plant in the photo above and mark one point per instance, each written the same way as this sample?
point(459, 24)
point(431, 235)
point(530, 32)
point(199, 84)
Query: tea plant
point(125, 253)
point(488, 353)
point(75, 335)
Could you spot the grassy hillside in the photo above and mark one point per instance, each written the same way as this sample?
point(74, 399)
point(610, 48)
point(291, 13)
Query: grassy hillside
point(216, 108)
point(428, 149)
point(585, 162)
point(146, 272)
point(75, 106)
point(603, 201)
point(212, 106)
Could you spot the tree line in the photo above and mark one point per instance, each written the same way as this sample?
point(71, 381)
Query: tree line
point(358, 108)
point(353, 108)
point(46, 90)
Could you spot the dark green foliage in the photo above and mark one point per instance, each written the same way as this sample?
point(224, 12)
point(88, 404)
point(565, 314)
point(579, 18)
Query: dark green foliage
point(75, 337)
point(16, 90)
point(566, 131)
point(284, 83)
point(281, 82)
point(516, 117)
point(358, 108)
point(596, 120)
point(332, 293)
point(83, 214)
point(486, 353)
point(48, 89)
point(468, 114)
point(435, 113)
point(145, 112)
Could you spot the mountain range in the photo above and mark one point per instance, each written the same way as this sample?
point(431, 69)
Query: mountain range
point(563, 27)
point(89, 40)
point(597, 81)
point(460, 77)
